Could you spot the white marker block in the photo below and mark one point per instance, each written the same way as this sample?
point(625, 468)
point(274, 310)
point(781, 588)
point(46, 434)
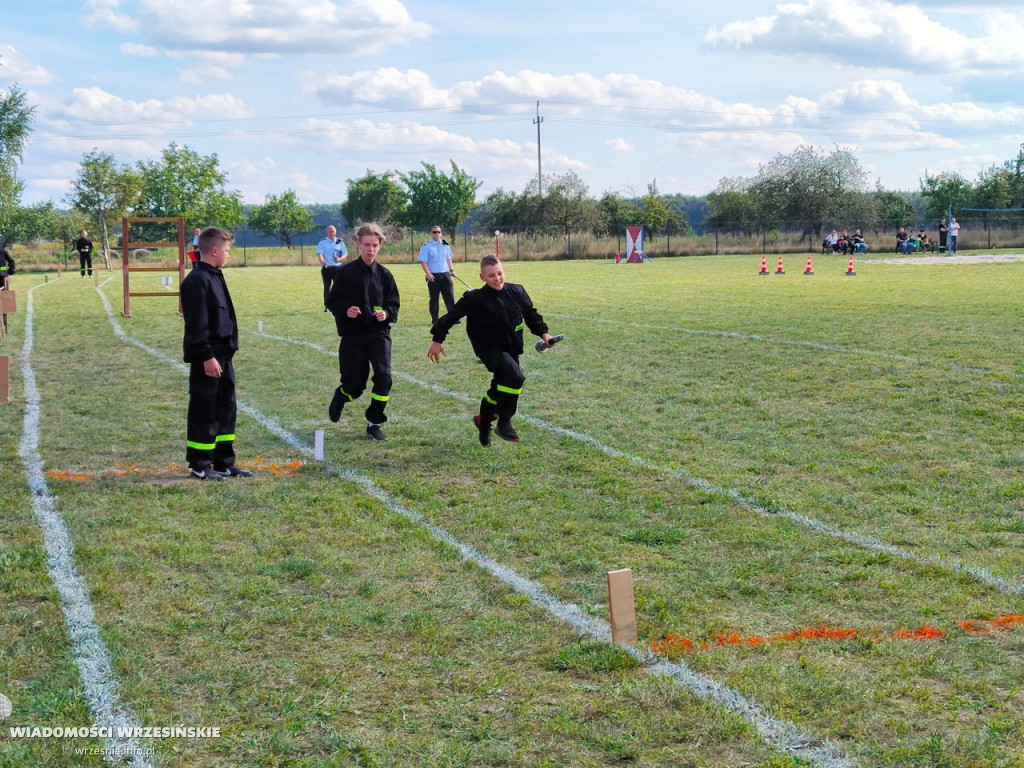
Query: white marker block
point(621, 609)
point(259, 326)
point(318, 445)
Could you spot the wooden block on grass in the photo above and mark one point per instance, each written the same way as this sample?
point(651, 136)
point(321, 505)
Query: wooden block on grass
point(8, 302)
point(621, 610)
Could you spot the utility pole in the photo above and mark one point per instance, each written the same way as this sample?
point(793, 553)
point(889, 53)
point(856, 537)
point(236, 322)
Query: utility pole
point(537, 121)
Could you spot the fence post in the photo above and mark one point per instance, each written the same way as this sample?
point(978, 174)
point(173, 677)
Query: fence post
point(764, 241)
point(517, 245)
point(716, 242)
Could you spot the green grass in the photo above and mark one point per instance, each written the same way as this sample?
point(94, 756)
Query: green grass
point(315, 626)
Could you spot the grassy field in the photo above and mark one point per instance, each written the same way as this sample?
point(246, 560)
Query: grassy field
point(817, 482)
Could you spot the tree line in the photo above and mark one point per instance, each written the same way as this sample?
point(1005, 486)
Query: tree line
point(808, 190)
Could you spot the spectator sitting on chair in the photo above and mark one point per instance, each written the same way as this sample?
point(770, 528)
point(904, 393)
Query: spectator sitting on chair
point(915, 242)
point(857, 244)
point(831, 243)
point(844, 242)
point(925, 244)
point(902, 241)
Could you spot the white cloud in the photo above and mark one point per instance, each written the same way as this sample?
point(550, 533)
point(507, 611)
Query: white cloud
point(141, 51)
point(106, 13)
point(387, 87)
point(283, 26)
point(619, 145)
point(202, 75)
point(406, 144)
point(16, 68)
point(876, 34)
point(153, 116)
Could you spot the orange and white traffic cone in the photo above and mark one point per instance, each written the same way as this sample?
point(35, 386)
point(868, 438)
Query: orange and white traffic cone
point(779, 270)
point(849, 268)
point(809, 270)
point(764, 267)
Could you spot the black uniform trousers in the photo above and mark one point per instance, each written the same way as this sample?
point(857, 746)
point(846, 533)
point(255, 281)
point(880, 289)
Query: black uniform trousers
point(358, 352)
point(441, 286)
point(211, 417)
point(85, 260)
point(502, 398)
point(327, 275)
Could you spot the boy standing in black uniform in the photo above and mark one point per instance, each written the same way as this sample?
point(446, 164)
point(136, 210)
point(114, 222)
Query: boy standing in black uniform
point(211, 340)
point(496, 315)
point(364, 301)
point(83, 247)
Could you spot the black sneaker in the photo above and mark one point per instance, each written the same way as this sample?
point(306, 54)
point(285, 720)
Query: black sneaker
point(483, 429)
point(505, 431)
point(234, 471)
point(374, 432)
point(206, 474)
point(337, 404)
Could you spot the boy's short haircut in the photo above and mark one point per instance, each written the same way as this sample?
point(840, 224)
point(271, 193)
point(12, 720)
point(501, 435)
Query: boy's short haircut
point(370, 228)
point(213, 237)
point(489, 261)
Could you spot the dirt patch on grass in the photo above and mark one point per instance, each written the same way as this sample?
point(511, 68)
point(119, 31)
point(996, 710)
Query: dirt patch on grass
point(976, 258)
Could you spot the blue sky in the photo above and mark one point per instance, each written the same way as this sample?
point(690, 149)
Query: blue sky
point(304, 94)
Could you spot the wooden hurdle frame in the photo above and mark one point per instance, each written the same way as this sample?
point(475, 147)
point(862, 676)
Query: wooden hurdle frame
point(126, 268)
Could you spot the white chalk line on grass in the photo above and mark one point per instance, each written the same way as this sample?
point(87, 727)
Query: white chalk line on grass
point(798, 343)
point(781, 735)
point(98, 681)
point(812, 524)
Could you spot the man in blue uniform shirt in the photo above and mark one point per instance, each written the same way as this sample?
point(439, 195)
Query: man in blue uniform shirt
point(436, 260)
point(331, 251)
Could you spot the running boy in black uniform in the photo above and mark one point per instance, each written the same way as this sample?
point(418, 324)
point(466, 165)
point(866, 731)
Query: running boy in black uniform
point(364, 301)
point(495, 316)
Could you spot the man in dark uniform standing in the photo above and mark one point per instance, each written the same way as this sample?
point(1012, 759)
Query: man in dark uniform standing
point(83, 247)
point(211, 340)
point(364, 301)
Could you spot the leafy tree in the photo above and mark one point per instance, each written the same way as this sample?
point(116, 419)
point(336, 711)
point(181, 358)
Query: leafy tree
point(615, 213)
point(1015, 178)
point(282, 216)
point(105, 192)
point(509, 211)
point(892, 209)
point(374, 197)
point(658, 217)
point(809, 188)
point(734, 207)
point(185, 183)
point(436, 198)
point(942, 191)
point(992, 190)
point(15, 126)
point(39, 221)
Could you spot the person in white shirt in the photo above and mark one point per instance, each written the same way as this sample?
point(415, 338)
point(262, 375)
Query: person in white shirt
point(954, 232)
